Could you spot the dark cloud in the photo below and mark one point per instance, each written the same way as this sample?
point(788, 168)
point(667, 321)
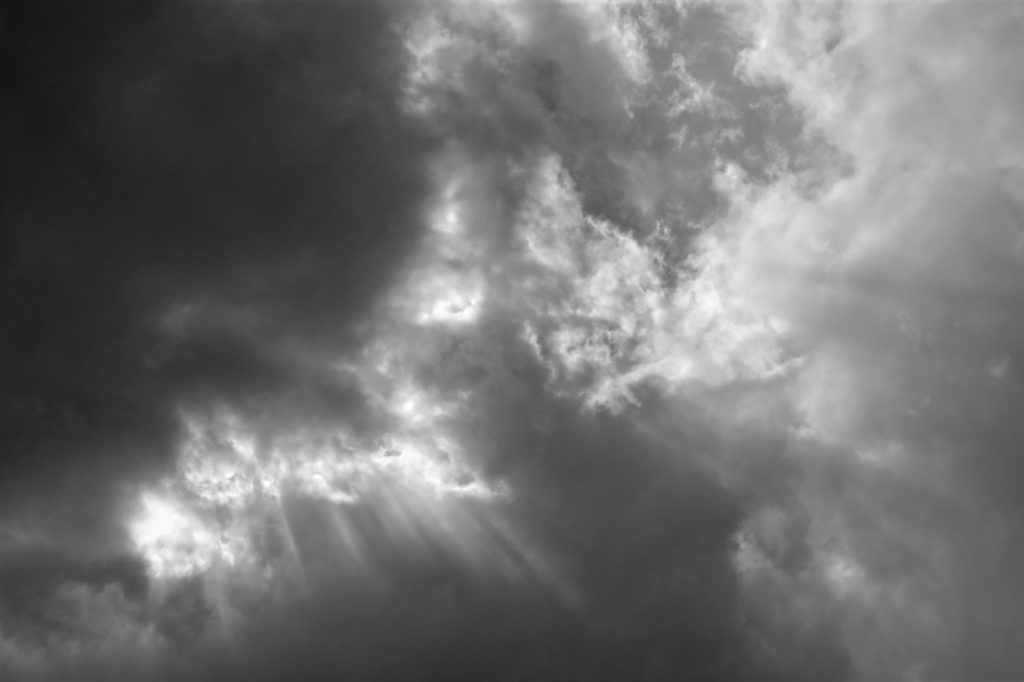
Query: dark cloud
point(202, 203)
point(514, 341)
point(31, 573)
point(195, 194)
point(166, 155)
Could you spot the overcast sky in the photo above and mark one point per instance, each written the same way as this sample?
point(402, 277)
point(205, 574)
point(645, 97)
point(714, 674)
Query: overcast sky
point(514, 341)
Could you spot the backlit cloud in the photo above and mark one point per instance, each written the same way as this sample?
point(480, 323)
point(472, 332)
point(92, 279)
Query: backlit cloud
point(513, 340)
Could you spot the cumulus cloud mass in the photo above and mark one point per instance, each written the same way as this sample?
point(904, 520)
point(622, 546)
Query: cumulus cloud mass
point(512, 340)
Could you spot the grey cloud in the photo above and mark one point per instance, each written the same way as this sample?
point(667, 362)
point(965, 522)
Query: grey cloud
point(643, 539)
point(222, 226)
point(169, 153)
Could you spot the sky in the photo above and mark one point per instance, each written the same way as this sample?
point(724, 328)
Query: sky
point(512, 340)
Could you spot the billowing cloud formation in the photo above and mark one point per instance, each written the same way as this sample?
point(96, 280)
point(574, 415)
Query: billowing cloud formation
point(902, 282)
point(513, 340)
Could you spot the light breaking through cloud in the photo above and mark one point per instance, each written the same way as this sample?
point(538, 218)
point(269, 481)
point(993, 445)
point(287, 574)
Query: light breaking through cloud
point(512, 340)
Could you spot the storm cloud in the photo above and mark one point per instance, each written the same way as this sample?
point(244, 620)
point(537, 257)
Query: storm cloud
point(511, 340)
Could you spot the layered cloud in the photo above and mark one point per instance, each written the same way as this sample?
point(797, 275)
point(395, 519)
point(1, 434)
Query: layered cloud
point(522, 339)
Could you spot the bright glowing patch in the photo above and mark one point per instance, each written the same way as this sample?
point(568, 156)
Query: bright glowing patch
point(223, 490)
point(172, 541)
point(844, 576)
point(447, 216)
point(450, 299)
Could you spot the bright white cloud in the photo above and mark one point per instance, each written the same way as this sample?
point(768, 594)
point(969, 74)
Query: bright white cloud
point(897, 282)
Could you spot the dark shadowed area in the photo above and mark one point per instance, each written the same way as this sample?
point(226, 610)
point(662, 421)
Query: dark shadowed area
point(162, 156)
